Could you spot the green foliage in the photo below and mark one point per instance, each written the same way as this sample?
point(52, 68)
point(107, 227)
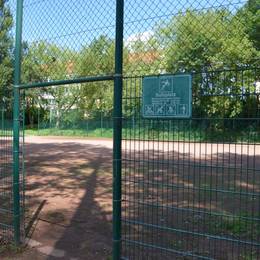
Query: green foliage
point(43, 62)
point(11, 249)
point(194, 41)
point(98, 132)
point(6, 45)
point(208, 41)
point(97, 58)
point(250, 15)
point(205, 39)
point(141, 54)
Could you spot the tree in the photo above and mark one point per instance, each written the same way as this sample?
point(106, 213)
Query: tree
point(43, 61)
point(203, 41)
point(97, 58)
point(250, 15)
point(143, 54)
point(6, 47)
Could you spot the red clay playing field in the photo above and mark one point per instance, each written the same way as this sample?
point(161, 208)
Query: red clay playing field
point(69, 189)
point(72, 181)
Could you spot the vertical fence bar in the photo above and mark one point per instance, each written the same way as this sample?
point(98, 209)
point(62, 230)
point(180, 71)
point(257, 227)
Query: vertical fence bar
point(38, 120)
point(101, 123)
point(3, 118)
point(117, 138)
point(16, 123)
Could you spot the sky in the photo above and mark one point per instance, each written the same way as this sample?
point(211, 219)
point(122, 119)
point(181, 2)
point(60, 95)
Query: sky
point(75, 23)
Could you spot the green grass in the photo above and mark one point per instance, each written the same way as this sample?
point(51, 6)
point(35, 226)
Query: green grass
point(11, 249)
point(250, 256)
point(106, 133)
point(236, 226)
point(196, 135)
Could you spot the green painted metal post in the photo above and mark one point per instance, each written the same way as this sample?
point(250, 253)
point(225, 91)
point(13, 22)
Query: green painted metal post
point(38, 120)
point(3, 118)
point(117, 163)
point(101, 123)
point(16, 123)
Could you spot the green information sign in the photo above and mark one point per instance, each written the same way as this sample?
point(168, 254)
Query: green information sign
point(167, 96)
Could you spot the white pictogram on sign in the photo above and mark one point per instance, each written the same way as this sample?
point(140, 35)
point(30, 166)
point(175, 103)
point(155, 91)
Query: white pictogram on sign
point(149, 110)
point(159, 109)
point(167, 96)
point(183, 109)
point(165, 85)
point(171, 109)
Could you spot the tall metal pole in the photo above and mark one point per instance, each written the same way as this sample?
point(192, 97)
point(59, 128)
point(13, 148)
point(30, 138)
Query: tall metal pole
point(117, 138)
point(16, 123)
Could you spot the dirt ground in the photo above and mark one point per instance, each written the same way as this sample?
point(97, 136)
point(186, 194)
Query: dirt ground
point(69, 194)
point(69, 189)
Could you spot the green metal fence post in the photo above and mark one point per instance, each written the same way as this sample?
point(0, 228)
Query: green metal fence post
point(3, 118)
point(38, 120)
point(101, 123)
point(16, 123)
point(117, 138)
point(87, 127)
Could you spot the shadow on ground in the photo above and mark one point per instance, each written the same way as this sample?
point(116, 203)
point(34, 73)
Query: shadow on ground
point(180, 200)
point(75, 180)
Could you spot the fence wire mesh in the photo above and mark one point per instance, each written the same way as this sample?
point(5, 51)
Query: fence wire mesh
point(70, 110)
point(6, 179)
point(178, 36)
point(6, 202)
point(68, 39)
point(6, 176)
point(190, 187)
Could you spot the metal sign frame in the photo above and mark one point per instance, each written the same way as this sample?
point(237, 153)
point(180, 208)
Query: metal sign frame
point(167, 96)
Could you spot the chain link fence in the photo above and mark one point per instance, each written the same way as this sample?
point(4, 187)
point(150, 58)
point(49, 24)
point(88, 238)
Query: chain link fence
point(6, 175)
point(6, 228)
point(190, 187)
